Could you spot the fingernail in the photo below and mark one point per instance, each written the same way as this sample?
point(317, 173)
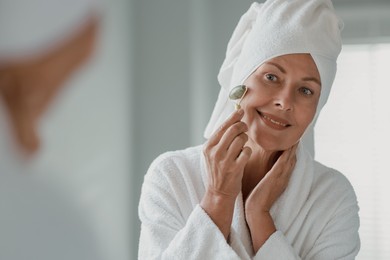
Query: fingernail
point(240, 111)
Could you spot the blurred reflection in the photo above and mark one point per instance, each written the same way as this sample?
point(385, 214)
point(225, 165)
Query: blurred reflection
point(29, 84)
point(62, 171)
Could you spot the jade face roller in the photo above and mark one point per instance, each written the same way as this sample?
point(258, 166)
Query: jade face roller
point(238, 93)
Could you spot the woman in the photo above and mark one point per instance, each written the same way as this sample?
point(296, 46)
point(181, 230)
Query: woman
point(253, 191)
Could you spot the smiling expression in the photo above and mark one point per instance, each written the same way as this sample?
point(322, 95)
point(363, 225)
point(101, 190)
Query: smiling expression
point(281, 101)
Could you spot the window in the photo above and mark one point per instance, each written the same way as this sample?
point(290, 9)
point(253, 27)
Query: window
point(353, 136)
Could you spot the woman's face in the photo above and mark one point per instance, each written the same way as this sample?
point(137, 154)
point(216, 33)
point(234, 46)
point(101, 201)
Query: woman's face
point(281, 101)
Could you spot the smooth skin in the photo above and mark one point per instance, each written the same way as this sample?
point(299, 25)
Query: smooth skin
point(254, 151)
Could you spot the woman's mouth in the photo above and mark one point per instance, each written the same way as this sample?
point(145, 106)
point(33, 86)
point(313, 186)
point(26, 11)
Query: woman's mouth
point(274, 122)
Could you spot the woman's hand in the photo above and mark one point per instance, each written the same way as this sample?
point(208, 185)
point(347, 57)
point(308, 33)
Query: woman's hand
point(264, 195)
point(226, 157)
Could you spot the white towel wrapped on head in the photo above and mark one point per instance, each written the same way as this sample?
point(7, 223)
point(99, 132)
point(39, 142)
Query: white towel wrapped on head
point(276, 28)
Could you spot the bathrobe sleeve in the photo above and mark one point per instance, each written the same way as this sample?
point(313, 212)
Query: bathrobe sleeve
point(336, 221)
point(173, 225)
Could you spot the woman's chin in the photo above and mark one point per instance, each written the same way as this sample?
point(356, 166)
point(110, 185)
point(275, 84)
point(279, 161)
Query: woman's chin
point(272, 142)
point(273, 145)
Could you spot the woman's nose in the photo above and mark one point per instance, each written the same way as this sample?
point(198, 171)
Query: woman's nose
point(284, 100)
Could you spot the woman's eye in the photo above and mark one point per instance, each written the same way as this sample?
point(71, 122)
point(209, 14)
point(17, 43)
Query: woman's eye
point(306, 91)
point(271, 77)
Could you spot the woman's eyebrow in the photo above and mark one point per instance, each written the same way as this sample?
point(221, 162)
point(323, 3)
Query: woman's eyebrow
point(277, 66)
point(312, 79)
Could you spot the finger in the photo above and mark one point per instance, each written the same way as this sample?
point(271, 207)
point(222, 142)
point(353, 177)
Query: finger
point(294, 148)
point(244, 156)
point(236, 146)
point(290, 163)
point(235, 117)
point(293, 156)
point(288, 154)
point(231, 134)
point(280, 166)
point(284, 157)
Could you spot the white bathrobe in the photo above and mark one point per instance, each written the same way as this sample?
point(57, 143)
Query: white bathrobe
point(316, 217)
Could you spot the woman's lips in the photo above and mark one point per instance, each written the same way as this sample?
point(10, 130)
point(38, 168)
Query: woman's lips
point(274, 122)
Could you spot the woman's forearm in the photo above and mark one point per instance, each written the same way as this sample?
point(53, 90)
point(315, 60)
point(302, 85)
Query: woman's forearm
point(261, 228)
point(220, 208)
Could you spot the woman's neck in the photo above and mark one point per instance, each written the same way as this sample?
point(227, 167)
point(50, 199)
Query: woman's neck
point(259, 164)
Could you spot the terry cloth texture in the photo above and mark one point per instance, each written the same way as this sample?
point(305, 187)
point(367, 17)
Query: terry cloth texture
point(316, 217)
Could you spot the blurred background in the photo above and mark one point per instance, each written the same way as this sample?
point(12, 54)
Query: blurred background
point(151, 87)
point(71, 198)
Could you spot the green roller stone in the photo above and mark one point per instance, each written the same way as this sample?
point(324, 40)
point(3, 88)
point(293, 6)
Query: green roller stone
point(237, 92)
